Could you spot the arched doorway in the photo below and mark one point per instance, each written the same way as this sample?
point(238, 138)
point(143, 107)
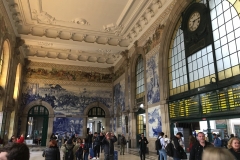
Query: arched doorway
point(96, 112)
point(37, 125)
point(96, 117)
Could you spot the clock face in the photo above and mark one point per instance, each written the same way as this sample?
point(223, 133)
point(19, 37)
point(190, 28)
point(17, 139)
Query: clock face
point(194, 21)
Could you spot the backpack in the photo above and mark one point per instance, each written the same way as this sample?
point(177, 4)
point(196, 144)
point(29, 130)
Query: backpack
point(79, 153)
point(169, 149)
point(69, 154)
point(123, 140)
point(158, 144)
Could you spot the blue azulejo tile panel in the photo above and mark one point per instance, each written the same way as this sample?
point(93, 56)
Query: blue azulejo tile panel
point(153, 93)
point(154, 121)
point(119, 96)
point(66, 99)
point(68, 125)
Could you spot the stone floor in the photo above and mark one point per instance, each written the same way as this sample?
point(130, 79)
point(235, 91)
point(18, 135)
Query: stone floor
point(37, 155)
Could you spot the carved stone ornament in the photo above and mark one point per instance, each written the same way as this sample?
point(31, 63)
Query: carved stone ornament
point(19, 42)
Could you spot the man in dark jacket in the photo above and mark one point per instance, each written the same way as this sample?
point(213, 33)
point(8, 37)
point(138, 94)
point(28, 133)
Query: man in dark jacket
point(197, 149)
point(142, 146)
point(108, 142)
point(176, 146)
point(96, 145)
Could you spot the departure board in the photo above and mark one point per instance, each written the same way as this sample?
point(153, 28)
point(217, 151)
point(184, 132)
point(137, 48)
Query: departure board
point(221, 100)
point(184, 107)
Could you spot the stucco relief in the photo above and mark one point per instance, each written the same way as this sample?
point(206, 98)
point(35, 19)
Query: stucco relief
point(65, 99)
point(154, 121)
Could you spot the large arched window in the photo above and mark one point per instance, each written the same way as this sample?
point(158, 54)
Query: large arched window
point(4, 62)
point(198, 69)
point(140, 78)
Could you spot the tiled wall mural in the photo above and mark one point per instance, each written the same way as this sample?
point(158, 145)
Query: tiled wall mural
point(66, 99)
point(68, 125)
point(154, 121)
point(68, 75)
point(119, 96)
point(123, 125)
point(114, 124)
point(153, 93)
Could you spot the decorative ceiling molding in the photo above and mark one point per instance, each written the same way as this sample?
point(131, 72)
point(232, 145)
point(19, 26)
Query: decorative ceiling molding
point(73, 55)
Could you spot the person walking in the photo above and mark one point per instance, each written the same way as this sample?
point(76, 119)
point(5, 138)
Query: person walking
point(108, 142)
point(142, 146)
point(52, 152)
point(217, 142)
point(96, 146)
point(123, 143)
point(234, 147)
point(101, 138)
point(199, 146)
point(85, 149)
point(162, 152)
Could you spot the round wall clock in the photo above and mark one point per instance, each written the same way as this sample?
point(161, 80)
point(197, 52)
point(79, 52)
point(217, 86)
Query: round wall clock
point(194, 21)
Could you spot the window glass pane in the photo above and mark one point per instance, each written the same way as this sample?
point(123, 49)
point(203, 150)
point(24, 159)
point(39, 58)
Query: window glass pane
point(225, 51)
point(199, 54)
point(217, 44)
point(226, 62)
point(234, 59)
point(227, 15)
point(218, 53)
point(205, 61)
point(210, 58)
point(181, 81)
point(216, 34)
point(220, 65)
point(236, 22)
point(220, 20)
point(205, 71)
point(191, 76)
point(200, 72)
point(222, 31)
point(237, 33)
point(204, 51)
point(219, 8)
point(194, 65)
point(211, 69)
point(238, 42)
point(225, 5)
point(209, 48)
point(229, 26)
point(199, 62)
point(230, 36)
point(190, 67)
point(214, 24)
point(195, 75)
point(232, 47)
point(233, 11)
point(223, 40)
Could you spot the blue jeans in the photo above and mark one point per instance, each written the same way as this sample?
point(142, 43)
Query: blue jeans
point(162, 154)
point(174, 158)
point(86, 156)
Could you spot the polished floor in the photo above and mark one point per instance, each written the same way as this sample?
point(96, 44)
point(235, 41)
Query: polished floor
point(37, 155)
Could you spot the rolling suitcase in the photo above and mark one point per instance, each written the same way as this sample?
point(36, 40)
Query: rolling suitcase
point(115, 155)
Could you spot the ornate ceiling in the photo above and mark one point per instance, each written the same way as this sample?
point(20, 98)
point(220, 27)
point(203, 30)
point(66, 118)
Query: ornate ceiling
point(81, 32)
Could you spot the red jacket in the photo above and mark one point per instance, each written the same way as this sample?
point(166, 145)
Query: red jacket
point(20, 140)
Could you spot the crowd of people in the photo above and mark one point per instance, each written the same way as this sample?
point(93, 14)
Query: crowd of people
point(199, 148)
point(76, 148)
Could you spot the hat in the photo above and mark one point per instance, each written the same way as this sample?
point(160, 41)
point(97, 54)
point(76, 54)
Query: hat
point(180, 134)
point(69, 141)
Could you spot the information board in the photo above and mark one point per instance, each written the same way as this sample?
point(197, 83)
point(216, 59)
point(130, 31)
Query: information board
point(184, 107)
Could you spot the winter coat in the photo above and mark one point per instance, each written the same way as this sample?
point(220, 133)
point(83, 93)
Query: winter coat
point(143, 144)
point(68, 146)
point(109, 145)
point(51, 153)
point(236, 154)
point(197, 150)
point(20, 140)
point(177, 148)
point(96, 141)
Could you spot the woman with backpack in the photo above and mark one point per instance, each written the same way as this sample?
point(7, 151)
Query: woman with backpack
point(52, 152)
point(68, 152)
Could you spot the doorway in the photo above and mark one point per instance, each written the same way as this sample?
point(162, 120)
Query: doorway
point(96, 120)
point(37, 125)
